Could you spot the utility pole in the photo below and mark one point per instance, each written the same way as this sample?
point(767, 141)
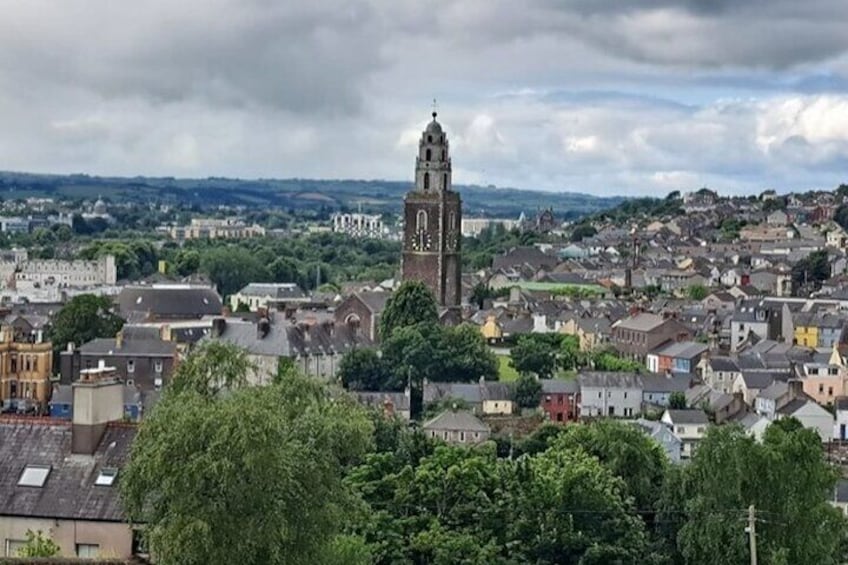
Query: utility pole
point(752, 533)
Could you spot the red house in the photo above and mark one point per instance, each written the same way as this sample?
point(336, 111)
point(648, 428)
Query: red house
point(560, 399)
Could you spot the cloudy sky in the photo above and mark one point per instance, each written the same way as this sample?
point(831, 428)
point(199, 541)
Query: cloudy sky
point(564, 95)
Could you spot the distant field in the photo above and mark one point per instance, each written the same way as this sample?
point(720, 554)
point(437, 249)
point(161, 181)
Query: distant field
point(506, 372)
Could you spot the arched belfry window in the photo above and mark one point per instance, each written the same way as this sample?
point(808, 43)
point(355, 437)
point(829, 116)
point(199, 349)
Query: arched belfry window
point(426, 181)
point(445, 181)
point(428, 155)
point(443, 154)
point(429, 139)
point(421, 221)
point(452, 221)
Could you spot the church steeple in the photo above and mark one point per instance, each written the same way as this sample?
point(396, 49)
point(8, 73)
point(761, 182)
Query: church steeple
point(433, 165)
point(432, 218)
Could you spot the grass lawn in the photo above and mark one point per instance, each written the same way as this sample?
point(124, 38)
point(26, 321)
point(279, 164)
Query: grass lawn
point(506, 372)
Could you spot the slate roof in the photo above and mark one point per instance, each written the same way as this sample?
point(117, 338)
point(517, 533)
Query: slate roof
point(793, 406)
point(723, 364)
point(169, 301)
point(683, 350)
point(691, 416)
point(757, 380)
point(279, 291)
point(374, 301)
point(560, 386)
point(129, 348)
point(459, 420)
point(287, 339)
point(473, 393)
point(69, 492)
point(609, 380)
point(774, 391)
point(663, 383)
point(641, 322)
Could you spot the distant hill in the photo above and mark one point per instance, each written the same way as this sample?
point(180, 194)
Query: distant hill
point(297, 194)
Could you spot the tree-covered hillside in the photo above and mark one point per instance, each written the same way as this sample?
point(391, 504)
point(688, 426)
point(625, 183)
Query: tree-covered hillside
point(296, 194)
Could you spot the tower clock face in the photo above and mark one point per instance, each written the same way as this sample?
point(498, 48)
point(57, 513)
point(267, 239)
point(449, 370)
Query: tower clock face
point(452, 241)
point(421, 241)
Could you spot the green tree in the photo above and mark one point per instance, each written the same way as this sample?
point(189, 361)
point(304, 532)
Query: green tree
point(535, 354)
point(570, 356)
point(187, 262)
point(465, 354)
point(811, 271)
point(479, 294)
point(363, 369)
point(626, 451)
point(785, 477)
point(609, 361)
point(677, 400)
point(231, 268)
point(411, 304)
point(38, 545)
point(250, 476)
point(84, 318)
point(583, 231)
point(528, 391)
point(697, 292)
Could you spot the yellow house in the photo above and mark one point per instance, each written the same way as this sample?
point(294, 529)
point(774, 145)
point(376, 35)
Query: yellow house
point(26, 365)
point(806, 331)
point(569, 327)
point(592, 333)
point(491, 329)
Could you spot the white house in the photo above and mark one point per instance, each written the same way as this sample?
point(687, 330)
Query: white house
point(689, 426)
point(840, 427)
point(610, 394)
point(811, 416)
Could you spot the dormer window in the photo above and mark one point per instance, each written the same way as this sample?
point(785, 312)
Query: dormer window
point(34, 476)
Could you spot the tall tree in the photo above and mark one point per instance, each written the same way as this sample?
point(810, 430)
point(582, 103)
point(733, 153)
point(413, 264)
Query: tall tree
point(527, 392)
point(787, 480)
point(362, 369)
point(250, 476)
point(83, 318)
point(411, 304)
point(535, 354)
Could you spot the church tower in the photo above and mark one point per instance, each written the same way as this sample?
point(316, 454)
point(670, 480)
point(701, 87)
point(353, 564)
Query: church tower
point(431, 221)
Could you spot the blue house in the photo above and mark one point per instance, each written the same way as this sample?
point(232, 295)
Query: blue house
point(62, 402)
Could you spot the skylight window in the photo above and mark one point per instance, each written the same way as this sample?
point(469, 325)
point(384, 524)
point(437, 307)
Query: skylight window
point(34, 476)
point(106, 477)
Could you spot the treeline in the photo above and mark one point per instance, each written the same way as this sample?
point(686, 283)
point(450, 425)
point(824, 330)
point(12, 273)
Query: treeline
point(310, 261)
point(296, 472)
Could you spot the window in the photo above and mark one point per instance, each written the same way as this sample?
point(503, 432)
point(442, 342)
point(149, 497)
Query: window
point(157, 366)
point(88, 550)
point(421, 220)
point(106, 477)
point(559, 416)
point(830, 391)
point(426, 181)
point(13, 545)
point(821, 389)
point(547, 398)
point(625, 394)
point(429, 139)
point(130, 366)
point(461, 436)
point(445, 180)
point(700, 430)
point(611, 410)
point(681, 429)
point(428, 155)
point(34, 476)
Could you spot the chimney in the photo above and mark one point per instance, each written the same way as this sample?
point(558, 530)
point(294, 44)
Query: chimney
point(218, 326)
point(796, 388)
point(263, 328)
point(98, 400)
point(119, 339)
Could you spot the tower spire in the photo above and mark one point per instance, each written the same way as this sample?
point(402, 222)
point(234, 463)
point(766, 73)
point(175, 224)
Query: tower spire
point(435, 113)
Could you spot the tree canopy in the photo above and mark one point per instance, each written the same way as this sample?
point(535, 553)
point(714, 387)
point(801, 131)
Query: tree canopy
point(409, 305)
point(84, 318)
point(250, 476)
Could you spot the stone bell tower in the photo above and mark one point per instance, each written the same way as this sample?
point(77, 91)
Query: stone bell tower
point(432, 215)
